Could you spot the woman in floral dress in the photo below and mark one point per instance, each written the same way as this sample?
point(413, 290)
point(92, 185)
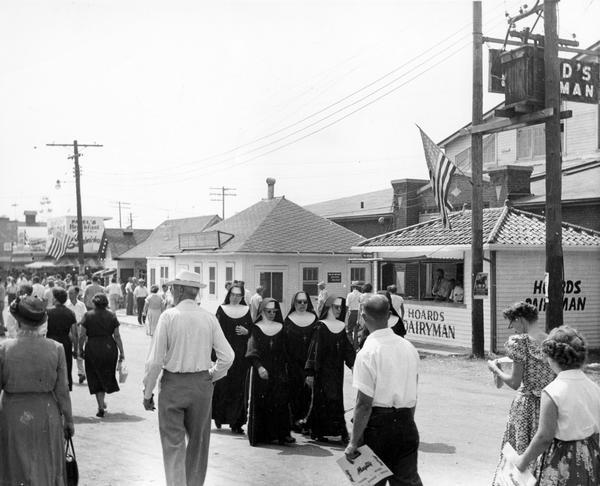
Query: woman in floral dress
point(530, 374)
point(569, 419)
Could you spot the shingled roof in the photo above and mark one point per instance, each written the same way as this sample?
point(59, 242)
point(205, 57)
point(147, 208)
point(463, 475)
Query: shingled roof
point(166, 236)
point(504, 226)
point(376, 203)
point(119, 240)
point(280, 226)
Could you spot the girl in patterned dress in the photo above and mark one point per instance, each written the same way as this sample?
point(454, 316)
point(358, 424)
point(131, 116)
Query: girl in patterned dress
point(569, 419)
point(530, 374)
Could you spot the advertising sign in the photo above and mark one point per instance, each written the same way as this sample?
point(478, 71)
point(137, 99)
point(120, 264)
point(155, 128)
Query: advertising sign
point(31, 239)
point(480, 289)
point(334, 277)
point(93, 230)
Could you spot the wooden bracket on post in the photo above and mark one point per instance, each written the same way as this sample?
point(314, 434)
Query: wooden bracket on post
point(521, 121)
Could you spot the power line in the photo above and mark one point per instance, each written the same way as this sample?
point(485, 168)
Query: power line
point(339, 101)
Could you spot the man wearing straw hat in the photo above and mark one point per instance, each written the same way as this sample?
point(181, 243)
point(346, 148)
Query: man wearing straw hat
point(184, 338)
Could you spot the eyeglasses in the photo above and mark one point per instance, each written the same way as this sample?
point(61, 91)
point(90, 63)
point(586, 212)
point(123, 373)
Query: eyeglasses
point(235, 294)
point(334, 306)
point(270, 311)
point(302, 302)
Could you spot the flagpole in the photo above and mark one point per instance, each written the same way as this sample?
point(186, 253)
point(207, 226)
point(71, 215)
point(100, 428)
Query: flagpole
point(477, 326)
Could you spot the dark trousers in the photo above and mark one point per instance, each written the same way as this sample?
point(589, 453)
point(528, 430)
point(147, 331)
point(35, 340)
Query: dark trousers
point(393, 436)
point(140, 309)
point(352, 328)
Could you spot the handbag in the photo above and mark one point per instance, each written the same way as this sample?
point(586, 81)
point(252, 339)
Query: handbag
point(71, 462)
point(123, 372)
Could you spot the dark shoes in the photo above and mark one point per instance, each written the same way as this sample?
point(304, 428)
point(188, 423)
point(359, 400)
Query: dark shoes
point(287, 440)
point(218, 424)
point(81, 379)
point(100, 413)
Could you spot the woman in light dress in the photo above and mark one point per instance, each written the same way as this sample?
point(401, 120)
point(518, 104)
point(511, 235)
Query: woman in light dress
point(153, 308)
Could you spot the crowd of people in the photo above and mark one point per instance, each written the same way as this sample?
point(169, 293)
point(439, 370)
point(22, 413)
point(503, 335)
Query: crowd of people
point(251, 366)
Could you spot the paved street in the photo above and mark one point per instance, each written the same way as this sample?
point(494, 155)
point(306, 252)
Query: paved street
point(460, 415)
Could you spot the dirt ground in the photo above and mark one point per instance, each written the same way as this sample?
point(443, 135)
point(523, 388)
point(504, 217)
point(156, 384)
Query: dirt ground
point(460, 415)
point(461, 418)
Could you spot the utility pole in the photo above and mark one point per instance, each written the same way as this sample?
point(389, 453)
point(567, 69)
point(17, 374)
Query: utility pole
point(120, 205)
point(75, 158)
point(554, 254)
point(222, 195)
point(130, 220)
point(477, 327)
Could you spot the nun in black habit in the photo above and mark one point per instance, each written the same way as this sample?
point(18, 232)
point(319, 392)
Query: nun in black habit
point(228, 403)
point(268, 383)
point(329, 350)
point(298, 328)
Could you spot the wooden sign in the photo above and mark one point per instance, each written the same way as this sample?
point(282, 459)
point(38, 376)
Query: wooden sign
point(579, 81)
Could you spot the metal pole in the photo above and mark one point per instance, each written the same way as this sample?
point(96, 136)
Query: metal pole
point(477, 327)
point(554, 255)
point(223, 196)
point(79, 214)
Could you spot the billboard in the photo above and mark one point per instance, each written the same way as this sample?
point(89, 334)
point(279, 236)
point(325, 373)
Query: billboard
point(31, 239)
point(93, 230)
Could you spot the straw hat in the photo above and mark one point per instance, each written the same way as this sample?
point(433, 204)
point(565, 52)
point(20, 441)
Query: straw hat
point(188, 279)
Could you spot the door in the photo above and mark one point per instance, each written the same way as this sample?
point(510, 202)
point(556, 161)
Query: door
point(126, 274)
point(272, 282)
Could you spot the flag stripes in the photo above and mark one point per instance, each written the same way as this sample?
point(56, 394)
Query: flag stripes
point(441, 171)
point(58, 246)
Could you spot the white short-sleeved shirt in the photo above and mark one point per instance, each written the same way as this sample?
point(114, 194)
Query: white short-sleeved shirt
point(353, 300)
point(578, 401)
point(386, 369)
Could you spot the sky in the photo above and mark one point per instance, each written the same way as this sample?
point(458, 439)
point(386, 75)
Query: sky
point(185, 96)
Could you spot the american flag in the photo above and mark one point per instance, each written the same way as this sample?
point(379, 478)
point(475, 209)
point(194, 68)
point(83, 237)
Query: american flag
point(440, 173)
point(58, 246)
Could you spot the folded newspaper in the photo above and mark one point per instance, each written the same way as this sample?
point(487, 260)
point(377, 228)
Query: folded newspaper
point(366, 470)
point(508, 474)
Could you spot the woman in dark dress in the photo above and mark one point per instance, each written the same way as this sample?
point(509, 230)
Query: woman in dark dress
point(228, 403)
point(298, 328)
point(329, 349)
point(100, 335)
point(62, 327)
point(268, 386)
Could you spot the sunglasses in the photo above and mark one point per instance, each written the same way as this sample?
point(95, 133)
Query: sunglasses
point(302, 302)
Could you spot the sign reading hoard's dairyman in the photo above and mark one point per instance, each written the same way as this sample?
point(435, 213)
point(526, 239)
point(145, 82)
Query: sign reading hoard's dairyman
point(579, 81)
point(574, 299)
point(428, 322)
point(334, 277)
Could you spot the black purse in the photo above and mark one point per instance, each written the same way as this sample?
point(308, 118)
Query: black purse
point(71, 460)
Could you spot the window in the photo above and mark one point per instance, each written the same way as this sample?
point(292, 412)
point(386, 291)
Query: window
point(358, 273)
point(229, 271)
point(152, 276)
point(198, 270)
point(462, 160)
point(310, 280)
point(531, 142)
point(164, 274)
point(426, 274)
point(212, 280)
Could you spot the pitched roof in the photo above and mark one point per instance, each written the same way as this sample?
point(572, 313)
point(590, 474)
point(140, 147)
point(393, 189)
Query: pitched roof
point(280, 226)
point(119, 240)
point(579, 182)
point(166, 235)
point(501, 226)
point(376, 203)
